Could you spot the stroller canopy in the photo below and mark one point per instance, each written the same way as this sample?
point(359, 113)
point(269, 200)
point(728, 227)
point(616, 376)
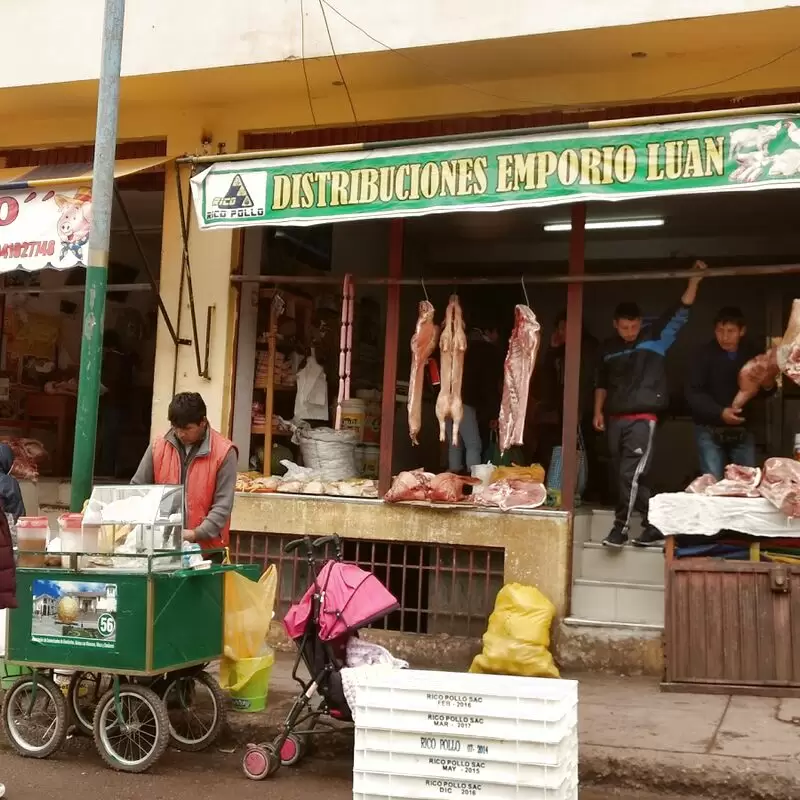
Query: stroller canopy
point(351, 598)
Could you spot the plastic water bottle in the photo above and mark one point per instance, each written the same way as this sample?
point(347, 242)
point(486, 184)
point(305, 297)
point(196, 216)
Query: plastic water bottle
point(191, 554)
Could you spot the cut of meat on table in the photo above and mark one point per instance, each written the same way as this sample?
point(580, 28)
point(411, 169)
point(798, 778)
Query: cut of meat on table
point(447, 487)
point(748, 475)
point(452, 347)
point(412, 485)
point(423, 343)
point(510, 493)
point(699, 485)
point(523, 348)
point(738, 482)
point(731, 488)
point(781, 485)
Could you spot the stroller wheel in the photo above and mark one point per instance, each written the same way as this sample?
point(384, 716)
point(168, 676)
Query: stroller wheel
point(292, 750)
point(260, 762)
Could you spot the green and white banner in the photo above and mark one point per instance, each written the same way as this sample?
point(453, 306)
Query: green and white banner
point(498, 174)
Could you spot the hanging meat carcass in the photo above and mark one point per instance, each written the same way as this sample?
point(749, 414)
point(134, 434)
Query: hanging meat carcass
point(523, 348)
point(423, 343)
point(452, 347)
point(761, 371)
point(457, 378)
point(788, 356)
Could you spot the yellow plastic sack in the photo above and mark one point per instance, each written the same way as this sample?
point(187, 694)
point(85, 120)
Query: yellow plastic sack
point(517, 640)
point(248, 613)
point(235, 675)
point(534, 473)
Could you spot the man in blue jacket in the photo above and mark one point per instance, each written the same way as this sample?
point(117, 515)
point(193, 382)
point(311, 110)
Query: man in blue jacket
point(630, 391)
point(721, 431)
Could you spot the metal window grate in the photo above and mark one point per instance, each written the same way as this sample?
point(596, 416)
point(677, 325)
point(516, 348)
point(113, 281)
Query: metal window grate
point(440, 588)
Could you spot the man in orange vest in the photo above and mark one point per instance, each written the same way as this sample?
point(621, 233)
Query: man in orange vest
point(194, 455)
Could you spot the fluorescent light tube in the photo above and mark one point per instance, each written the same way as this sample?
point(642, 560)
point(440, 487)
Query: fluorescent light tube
point(600, 225)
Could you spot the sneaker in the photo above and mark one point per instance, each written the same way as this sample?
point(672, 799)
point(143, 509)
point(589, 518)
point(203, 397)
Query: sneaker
point(616, 539)
point(2, 790)
point(651, 537)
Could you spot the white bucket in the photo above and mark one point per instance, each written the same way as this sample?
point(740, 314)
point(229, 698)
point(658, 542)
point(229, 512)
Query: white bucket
point(483, 472)
point(353, 417)
point(372, 460)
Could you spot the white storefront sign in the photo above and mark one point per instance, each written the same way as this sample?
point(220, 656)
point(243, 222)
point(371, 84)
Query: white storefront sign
point(44, 227)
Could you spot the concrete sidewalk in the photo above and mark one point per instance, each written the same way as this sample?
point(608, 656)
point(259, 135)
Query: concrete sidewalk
point(633, 736)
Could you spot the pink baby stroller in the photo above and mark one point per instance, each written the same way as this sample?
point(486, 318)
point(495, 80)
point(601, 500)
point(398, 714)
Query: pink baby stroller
point(341, 599)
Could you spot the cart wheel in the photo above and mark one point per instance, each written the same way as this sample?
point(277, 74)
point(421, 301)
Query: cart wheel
point(35, 717)
point(196, 710)
point(292, 751)
point(134, 736)
point(85, 691)
point(260, 761)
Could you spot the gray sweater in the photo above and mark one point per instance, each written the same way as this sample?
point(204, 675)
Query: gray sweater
point(222, 505)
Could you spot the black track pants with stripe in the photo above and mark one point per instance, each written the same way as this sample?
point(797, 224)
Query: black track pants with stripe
point(630, 443)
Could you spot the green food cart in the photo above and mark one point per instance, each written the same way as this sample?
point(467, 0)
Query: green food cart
point(118, 605)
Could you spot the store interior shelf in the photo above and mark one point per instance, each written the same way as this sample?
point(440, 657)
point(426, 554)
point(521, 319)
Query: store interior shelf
point(278, 387)
point(260, 430)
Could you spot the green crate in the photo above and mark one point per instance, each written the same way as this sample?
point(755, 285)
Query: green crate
point(9, 673)
point(133, 624)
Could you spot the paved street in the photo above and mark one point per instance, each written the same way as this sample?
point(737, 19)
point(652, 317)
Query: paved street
point(77, 774)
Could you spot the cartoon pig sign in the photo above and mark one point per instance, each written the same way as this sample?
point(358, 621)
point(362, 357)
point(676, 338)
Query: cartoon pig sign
point(75, 223)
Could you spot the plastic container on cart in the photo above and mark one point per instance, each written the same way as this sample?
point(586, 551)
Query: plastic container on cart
point(33, 533)
point(133, 523)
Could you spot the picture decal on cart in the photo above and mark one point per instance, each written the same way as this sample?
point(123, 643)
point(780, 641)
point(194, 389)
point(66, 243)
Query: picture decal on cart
point(74, 613)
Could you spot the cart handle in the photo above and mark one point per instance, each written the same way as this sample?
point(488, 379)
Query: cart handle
point(290, 547)
point(326, 540)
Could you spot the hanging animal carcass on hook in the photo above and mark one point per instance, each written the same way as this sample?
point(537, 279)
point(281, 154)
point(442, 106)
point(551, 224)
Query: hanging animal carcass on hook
point(452, 347)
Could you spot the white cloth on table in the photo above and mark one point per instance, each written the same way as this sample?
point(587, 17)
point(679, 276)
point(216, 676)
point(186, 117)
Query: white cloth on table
point(683, 514)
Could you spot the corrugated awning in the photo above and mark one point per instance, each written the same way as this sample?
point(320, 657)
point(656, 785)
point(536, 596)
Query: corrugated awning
point(498, 174)
point(46, 213)
point(62, 174)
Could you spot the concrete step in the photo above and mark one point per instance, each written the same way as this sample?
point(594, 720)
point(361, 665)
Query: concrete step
point(628, 565)
point(618, 601)
point(618, 648)
point(603, 521)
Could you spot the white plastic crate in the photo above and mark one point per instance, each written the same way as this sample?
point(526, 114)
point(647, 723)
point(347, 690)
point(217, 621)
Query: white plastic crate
point(472, 768)
point(480, 725)
point(539, 699)
point(371, 785)
point(445, 746)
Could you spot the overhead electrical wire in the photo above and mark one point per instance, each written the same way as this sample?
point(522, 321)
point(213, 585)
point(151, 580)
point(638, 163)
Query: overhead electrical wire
point(303, 60)
point(338, 65)
point(540, 104)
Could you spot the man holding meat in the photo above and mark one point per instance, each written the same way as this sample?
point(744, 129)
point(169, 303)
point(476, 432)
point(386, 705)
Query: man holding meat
point(631, 390)
point(721, 431)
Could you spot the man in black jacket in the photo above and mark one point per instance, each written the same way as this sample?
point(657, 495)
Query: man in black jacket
point(721, 431)
point(631, 390)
